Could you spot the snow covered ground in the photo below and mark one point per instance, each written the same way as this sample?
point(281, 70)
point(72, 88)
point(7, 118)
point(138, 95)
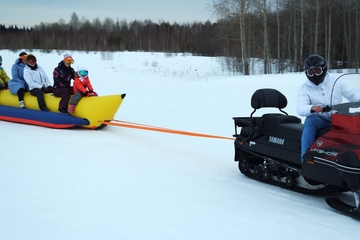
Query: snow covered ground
point(122, 183)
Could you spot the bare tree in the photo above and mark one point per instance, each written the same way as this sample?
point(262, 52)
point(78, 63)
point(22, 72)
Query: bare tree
point(236, 10)
point(316, 26)
point(74, 22)
point(357, 34)
point(328, 35)
point(262, 6)
point(295, 36)
point(301, 51)
point(278, 26)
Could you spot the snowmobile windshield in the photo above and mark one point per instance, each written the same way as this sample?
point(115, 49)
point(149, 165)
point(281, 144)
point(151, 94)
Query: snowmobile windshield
point(345, 95)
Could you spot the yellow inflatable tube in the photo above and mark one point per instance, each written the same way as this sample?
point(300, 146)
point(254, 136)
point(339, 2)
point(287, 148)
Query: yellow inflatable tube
point(95, 109)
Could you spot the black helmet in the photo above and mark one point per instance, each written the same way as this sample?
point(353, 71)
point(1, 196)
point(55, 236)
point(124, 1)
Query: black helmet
point(315, 68)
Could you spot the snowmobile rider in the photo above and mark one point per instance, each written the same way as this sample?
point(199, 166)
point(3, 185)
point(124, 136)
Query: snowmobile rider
point(315, 95)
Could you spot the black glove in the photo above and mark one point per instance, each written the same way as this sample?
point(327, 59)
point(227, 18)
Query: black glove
point(49, 89)
point(326, 109)
point(43, 89)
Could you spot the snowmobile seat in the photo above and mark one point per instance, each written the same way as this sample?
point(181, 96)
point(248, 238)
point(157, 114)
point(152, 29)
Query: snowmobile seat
point(280, 118)
point(282, 125)
point(273, 122)
point(268, 97)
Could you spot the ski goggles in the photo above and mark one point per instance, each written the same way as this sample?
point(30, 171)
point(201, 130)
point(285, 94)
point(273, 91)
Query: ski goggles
point(83, 73)
point(317, 71)
point(69, 60)
point(23, 57)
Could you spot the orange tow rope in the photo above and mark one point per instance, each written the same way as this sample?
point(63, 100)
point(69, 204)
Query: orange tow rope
point(161, 129)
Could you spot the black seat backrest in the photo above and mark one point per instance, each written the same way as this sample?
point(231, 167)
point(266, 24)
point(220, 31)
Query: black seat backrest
point(268, 97)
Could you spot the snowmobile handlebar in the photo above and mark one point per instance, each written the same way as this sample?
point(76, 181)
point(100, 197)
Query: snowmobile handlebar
point(327, 108)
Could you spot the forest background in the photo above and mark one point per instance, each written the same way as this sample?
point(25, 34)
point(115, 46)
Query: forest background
point(279, 33)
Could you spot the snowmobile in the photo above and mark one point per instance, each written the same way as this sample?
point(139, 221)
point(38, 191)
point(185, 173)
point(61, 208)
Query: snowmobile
point(267, 148)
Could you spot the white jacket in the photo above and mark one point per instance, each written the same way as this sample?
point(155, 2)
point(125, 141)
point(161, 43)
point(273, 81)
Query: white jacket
point(311, 95)
point(36, 78)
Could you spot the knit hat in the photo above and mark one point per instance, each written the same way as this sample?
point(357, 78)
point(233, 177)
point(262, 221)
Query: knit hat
point(68, 58)
point(82, 71)
point(31, 57)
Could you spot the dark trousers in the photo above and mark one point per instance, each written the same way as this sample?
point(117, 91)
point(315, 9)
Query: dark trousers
point(20, 94)
point(39, 94)
point(64, 93)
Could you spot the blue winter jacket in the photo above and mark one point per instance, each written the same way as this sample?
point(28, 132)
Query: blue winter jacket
point(17, 81)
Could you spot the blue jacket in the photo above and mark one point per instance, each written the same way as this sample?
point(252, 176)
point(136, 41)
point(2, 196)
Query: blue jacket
point(17, 81)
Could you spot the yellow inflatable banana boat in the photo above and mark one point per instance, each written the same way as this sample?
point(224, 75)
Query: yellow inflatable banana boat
point(89, 113)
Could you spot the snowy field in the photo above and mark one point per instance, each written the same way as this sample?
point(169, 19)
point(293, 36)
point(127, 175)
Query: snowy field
point(122, 183)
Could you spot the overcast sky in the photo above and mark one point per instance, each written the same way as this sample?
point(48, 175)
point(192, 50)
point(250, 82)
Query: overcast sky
point(30, 13)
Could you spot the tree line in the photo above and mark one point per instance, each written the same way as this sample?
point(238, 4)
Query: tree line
point(279, 33)
point(83, 35)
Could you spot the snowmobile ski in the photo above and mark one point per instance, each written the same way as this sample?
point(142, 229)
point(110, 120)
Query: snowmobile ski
point(343, 207)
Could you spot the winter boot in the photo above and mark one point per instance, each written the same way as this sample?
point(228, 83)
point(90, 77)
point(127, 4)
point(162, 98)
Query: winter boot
point(22, 104)
point(63, 110)
point(44, 108)
point(71, 108)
